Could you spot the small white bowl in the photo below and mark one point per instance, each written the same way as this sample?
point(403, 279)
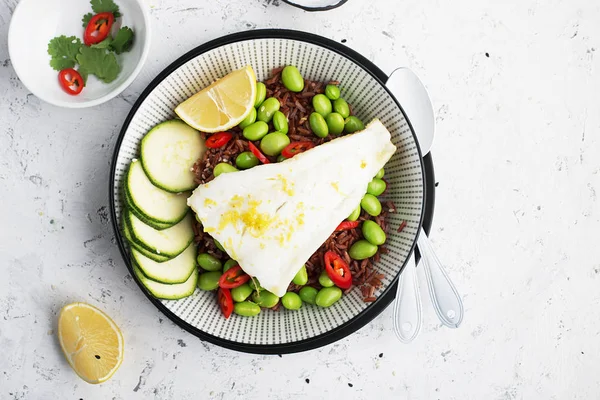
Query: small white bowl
point(35, 22)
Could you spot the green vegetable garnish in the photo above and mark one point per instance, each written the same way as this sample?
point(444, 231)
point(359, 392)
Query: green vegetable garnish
point(105, 44)
point(123, 40)
point(64, 52)
point(100, 6)
point(86, 19)
point(98, 59)
point(99, 62)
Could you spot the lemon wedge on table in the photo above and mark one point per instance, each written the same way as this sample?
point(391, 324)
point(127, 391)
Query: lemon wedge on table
point(91, 342)
point(222, 105)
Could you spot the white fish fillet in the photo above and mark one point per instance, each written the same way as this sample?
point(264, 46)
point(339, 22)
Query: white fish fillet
point(273, 217)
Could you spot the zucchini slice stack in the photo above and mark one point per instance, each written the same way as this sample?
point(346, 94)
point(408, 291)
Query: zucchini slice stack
point(157, 221)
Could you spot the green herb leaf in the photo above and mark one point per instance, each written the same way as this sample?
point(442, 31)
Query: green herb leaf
point(123, 40)
point(84, 74)
point(105, 44)
point(64, 52)
point(100, 6)
point(86, 19)
point(99, 62)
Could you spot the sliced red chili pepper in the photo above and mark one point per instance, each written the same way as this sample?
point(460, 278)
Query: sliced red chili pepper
point(225, 302)
point(338, 270)
point(233, 278)
point(218, 140)
point(98, 28)
point(346, 225)
point(71, 81)
point(263, 159)
point(297, 147)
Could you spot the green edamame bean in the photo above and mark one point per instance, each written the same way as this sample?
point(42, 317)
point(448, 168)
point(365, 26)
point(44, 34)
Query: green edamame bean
point(292, 79)
point(209, 280)
point(265, 299)
point(328, 296)
point(308, 294)
point(246, 160)
point(261, 94)
point(376, 187)
point(322, 104)
point(208, 262)
point(267, 109)
point(246, 309)
point(362, 249)
point(373, 233)
point(219, 246)
point(249, 120)
point(355, 214)
point(223, 168)
point(318, 125)
point(353, 124)
point(301, 277)
point(280, 122)
point(241, 293)
point(335, 123)
point(380, 174)
point(256, 131)
point(229, 264)
point(371, 205)
point(291, 301)
point(255, 284)
point(341, 107)
point(325, 280)
point(273, 143)
point(281, 158)
point(332, 92)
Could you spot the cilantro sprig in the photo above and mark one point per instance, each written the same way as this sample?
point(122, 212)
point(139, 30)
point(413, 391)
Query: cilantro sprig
point(123, 40)
point(100, 6)
point(99, 62)
point(98, 59)
point(64, 52)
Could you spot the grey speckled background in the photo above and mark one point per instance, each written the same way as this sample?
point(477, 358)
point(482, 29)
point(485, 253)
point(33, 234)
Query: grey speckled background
point(517, 218)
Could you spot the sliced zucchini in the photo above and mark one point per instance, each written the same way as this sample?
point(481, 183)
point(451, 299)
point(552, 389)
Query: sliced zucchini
point(156, 225)
point(176, 270)
point(153, 256)
point(153, 203)
point(168, 152)
point(166, 291)
point(169, 242)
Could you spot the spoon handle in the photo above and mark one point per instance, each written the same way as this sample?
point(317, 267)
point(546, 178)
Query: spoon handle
point(444, 296)
point(407, 308)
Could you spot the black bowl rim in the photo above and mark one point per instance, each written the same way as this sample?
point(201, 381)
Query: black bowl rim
point(306, 8)
point(374, 308)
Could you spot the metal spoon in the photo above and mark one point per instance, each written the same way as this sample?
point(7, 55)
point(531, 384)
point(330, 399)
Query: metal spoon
point(412, 95)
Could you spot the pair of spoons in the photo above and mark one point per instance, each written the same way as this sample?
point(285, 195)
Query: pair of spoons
point(412, 95)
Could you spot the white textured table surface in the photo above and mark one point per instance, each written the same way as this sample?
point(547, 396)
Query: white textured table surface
point(516, 89)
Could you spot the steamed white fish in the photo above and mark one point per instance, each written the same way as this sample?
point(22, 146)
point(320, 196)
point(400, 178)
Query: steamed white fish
point(273, 217)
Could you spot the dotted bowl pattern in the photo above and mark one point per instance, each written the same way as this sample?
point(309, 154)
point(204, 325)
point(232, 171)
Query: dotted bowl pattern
point(369, 100)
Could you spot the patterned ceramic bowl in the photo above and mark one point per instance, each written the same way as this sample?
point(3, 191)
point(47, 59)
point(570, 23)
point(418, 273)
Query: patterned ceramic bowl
point(362, 85)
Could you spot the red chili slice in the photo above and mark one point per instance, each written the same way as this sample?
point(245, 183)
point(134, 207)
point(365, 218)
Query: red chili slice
point(225, 302)
point(218, 140)
point(71, 81)
point(346, 225)
point(338, 270)
point(263, 159)
point(233, 278)
point(98, 28)
point(297, 147)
